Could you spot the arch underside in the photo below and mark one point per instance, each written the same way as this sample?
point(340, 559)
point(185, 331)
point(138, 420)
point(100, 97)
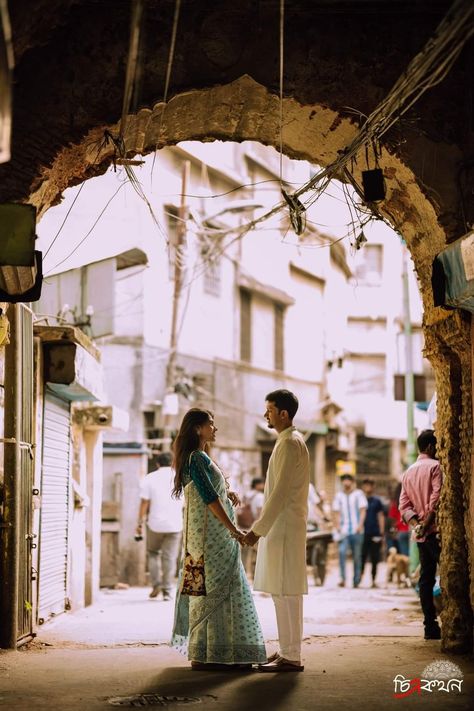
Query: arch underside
point(245, 110)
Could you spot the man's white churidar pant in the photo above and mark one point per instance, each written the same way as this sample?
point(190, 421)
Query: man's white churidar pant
point(289, 614)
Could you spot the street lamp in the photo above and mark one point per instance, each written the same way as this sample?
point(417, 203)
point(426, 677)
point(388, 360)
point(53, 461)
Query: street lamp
point(238, 206)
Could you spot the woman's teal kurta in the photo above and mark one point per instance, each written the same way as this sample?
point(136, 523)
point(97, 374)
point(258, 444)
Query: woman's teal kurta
point(221, 626)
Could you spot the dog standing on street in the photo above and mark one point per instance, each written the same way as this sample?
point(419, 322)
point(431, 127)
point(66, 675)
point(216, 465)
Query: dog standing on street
point(397, 564)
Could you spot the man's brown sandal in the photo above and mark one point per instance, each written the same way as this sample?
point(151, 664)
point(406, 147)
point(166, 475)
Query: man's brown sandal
point(273, 657)
point(280, 665)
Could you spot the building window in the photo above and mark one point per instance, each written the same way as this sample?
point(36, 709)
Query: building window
point(368, 374)
point(368, 268)
point(150, 421)
point(245, 325)
point(279, 340)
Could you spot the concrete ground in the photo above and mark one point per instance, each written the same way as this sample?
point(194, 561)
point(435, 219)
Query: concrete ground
point(356, 643)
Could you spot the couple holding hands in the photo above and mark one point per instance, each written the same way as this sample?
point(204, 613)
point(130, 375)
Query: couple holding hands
point(220, 629)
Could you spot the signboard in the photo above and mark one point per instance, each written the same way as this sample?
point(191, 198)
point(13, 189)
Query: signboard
point(344, 466)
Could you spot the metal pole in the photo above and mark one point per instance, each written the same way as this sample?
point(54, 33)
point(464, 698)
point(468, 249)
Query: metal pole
point(10, 526)
point(409, 377)
point(178, 274)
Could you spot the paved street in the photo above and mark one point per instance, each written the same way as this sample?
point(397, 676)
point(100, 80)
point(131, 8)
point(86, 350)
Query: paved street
point(128, 617)
point(356, 642)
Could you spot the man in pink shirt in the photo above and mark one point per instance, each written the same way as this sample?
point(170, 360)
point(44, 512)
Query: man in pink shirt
point(421, 486)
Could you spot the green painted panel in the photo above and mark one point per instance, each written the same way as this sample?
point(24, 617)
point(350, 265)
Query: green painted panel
point(17, 235)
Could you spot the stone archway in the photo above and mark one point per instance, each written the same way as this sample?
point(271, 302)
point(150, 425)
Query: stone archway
point(246, 110)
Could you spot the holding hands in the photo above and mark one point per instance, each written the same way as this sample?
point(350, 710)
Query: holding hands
point(238, 535)
point(245, 538)
point(250, 538)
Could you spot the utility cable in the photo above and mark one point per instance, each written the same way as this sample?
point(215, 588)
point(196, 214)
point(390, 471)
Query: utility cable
point(64, 221)
point(282, 50)
point(87, 235)
point(422, 73)
point(174, 33)
point(132, 62)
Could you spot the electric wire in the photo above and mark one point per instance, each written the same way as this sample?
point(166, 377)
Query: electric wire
point(174, 33)
point(89, 232)
point(455, 29)
point(282, 50)
point(64, 221)
point(421, 74)
point(132, 62)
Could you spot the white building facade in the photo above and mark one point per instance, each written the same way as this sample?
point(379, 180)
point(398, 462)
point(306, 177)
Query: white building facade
point(192, 310)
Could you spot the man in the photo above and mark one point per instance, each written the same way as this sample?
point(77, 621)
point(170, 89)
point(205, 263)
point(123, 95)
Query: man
point(281, 531)
point(164, 517)
point(374, 528)
point(421, 486)
point(350, 508)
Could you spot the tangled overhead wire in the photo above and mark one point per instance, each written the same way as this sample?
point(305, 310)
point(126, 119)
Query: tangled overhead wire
point(297, 213)
point(427, 69)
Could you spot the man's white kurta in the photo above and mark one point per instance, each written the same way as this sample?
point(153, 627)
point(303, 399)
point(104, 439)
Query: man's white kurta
point(281, 554)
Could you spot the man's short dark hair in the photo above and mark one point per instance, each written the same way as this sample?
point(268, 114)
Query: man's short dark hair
point(164, 459)
point(256, 482)
point(347, 476)
point(424, 440)
point(368, 480)
point(284, 400)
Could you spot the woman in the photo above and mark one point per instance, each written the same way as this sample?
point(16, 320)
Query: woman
point(221, 628)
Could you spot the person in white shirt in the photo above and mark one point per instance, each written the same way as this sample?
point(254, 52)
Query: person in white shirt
point(164, 518)
point(281, 531)
point(350, 508)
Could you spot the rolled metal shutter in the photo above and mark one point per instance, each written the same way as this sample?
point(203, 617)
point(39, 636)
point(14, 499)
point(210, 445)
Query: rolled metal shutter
point(55, 488)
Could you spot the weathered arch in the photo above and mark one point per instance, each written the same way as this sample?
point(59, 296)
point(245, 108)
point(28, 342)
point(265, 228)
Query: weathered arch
point(246, 110)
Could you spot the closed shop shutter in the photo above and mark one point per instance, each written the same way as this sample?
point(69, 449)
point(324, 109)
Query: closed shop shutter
point(55, 487)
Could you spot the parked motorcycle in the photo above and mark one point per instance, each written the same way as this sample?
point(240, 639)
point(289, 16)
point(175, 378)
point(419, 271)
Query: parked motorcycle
point(317, 542)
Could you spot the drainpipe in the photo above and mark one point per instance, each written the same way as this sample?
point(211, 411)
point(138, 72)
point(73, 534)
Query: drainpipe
point(10, 526)
point(409, 377)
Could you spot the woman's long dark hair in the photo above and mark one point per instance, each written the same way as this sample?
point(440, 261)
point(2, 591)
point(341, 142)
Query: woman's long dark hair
point(187, 441)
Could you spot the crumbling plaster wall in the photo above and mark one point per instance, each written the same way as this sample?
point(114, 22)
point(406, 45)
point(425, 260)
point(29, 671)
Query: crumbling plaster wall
point(69, 88)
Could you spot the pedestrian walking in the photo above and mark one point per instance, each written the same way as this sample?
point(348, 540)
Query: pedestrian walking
point(374, 526)
point(281, 531)
point(164, 523)
point(421, 487)
point(350, 508)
